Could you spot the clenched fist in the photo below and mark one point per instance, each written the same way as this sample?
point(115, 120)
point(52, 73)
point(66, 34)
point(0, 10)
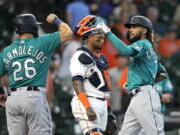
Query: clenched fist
point(50, 18)
point(91, 114)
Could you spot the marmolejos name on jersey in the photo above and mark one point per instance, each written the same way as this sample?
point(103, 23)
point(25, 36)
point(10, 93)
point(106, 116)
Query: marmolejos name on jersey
point(23, 50)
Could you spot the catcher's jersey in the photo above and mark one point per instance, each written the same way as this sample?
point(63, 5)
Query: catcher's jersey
point(143, 66)
point(161, 87)
point(26, 61)
point(93, 69)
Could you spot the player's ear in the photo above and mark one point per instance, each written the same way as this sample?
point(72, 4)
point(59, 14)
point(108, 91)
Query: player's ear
point(90, 37)
point(144, 30)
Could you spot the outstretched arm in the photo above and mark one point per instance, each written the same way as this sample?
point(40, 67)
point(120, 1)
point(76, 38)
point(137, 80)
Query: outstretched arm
point(63, 28)
point(120, 45)
point(116, 42)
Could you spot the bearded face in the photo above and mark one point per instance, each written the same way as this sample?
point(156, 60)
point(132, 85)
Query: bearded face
point(135, 33)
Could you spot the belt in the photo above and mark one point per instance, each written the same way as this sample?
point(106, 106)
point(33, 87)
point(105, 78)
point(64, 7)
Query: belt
point(28, 88)
point(134, 92)
point(102, 99)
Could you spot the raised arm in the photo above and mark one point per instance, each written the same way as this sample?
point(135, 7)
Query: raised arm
point(116, 42)
point(120, 45)
point(63, 28)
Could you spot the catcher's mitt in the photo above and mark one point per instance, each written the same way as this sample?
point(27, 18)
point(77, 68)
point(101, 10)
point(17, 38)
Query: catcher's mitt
point(111, 124)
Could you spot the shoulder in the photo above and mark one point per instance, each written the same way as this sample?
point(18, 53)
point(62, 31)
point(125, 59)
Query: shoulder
point(49, 35)
point(82, 57)
point(142, 44)
point(6, 49)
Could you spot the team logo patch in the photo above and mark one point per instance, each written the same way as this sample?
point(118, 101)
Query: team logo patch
point(21, 42)
point(137, 46)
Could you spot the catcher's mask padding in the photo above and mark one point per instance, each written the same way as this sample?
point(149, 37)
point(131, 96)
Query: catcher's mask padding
point(87, 26)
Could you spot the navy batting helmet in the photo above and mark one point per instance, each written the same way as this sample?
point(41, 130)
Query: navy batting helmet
point(140, 21)
point(26, 23)
point(87, 26)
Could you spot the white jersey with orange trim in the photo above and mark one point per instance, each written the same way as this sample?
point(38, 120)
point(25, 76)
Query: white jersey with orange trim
point(94, 70)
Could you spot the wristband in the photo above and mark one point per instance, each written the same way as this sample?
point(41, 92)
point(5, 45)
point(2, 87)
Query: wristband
point(57, 21)
point(83, 98)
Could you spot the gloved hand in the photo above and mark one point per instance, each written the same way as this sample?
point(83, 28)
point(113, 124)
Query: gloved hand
point(111, 124)
point(103, 27)
point(111, 127)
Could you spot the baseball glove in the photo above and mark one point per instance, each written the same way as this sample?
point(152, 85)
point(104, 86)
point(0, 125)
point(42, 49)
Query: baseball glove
point(111, 124)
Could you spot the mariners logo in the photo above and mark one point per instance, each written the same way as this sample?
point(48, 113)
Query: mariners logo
point(138, 47)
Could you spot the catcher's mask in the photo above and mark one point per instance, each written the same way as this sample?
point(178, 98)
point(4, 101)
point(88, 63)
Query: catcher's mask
point(26, 23)
point(87, 26)
point(140, 21)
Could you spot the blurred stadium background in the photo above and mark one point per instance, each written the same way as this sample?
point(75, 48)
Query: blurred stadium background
point(165, 15)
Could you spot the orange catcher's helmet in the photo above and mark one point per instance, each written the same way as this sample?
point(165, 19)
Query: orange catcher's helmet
point(87, 26)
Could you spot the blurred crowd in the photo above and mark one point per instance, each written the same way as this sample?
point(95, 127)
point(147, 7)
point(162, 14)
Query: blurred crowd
point(164, 14)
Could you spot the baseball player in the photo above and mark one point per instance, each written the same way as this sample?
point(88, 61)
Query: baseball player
point(90, 79)
point(144, 108)
point(26, 62)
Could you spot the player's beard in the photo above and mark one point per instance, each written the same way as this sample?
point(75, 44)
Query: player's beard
point(134, 39)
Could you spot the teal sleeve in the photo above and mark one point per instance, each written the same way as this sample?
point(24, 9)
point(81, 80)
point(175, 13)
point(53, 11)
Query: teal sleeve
point(120, 45)
point(2, 69)
point(168, 87)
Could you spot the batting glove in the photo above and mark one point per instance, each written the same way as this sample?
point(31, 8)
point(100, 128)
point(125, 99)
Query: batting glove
point(103, 27)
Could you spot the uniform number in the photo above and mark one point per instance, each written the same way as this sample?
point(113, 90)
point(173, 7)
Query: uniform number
point(30, 72)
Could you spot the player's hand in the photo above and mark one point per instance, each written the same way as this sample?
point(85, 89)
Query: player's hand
point(3, 98)
point(91, 114)
point(166, 98)
point(50, 18)
point(103, 27)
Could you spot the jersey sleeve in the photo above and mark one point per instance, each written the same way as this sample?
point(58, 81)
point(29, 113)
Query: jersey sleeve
point(167, 86)
point(2, 65)
point(50, 41)
point(76, 67)
point(139, 48)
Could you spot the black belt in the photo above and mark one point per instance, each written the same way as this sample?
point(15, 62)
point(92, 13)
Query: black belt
point(103, 99)
point(29, 88)
point(134, 92)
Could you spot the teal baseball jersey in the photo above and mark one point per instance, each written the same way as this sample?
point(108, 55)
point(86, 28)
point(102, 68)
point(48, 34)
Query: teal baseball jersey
point(143, 65)
point(26, 61)
point(161, 87)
